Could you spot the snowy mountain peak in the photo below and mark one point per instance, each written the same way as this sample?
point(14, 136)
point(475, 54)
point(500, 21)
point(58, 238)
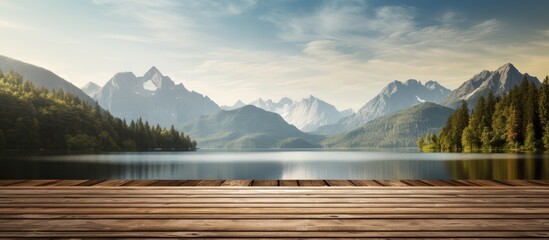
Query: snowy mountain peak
point(153, 97)
point(498, 82)
point(151, 72)
point(307, 114)
point(395, 96)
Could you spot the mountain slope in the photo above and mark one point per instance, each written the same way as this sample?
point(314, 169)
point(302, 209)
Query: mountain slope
point(498, 82)
point(153, 97)
point(237, 104)
point(247, 127)
point(41, 77)
point(34, 118)
point(307, 115)
point(91, 89)
point(394, 97)
point(399, 129)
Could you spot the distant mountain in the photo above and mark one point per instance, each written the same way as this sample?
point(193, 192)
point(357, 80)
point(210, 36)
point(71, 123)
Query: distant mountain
point(399, 129)
point(91, 89)
point(41, 77)
point(154, 97)
point(498, 82)
point(247, 127)
point(394, 97)
point(237, 104)
point(308, 114)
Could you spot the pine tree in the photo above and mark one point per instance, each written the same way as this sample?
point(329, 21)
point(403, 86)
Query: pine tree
point(486, 139)
point(544, 102)
point(468, 139)
point(530, 139)
point(512, 128)
point(460, 120)
point(546, 137)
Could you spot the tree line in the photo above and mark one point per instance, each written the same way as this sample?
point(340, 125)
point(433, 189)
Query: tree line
point(34, 118)
point(517, 121)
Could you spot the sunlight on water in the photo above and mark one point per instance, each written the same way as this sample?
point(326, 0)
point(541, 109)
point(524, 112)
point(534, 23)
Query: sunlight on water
point(268, 164)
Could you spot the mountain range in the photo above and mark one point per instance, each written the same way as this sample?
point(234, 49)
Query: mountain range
point(400, 113)
point(307, 115)
point(154, 98)
point(248, 127)
point(499, 82)
point(395, 96)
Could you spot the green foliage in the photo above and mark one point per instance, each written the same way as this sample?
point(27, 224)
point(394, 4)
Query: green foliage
point(81, 142)
point(400, 129)
point(450, 137)
point(34, 118)
point(545, 138)
point(486, 139)
point(530, 140)
point(516, 121)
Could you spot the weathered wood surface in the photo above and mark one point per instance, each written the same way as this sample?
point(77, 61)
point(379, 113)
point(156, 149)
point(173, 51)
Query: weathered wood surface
point(274, 208)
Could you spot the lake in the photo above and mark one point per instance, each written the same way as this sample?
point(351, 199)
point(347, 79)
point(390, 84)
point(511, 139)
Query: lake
point(277, 164)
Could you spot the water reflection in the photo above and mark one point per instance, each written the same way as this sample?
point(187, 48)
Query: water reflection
point(276, 165)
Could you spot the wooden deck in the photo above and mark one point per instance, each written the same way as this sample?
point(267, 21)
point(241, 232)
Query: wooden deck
point(277, 209)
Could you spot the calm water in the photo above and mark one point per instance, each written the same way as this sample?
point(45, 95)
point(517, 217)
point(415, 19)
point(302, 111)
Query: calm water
point(277, 165)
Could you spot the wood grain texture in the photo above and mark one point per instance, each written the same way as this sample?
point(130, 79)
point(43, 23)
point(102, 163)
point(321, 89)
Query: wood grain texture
point(274, 209)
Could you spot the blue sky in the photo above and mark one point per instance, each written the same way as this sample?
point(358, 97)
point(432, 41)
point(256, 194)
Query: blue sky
point(344, 52)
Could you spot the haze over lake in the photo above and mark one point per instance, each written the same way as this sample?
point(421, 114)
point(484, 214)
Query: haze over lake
point(277, 164)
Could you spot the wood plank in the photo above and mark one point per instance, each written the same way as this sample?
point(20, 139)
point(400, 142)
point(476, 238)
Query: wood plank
point(274, 216)
point(237, 183)
point(490, 183)
point(465, 183)
point(10, 182)
point(539, 182)
point(312, 183)
point(282, 234)
point(90, 182)
point(435, 182)
point(68, 183)
point(415, 183)
point(369, 183)
point(167, 183)
point(390, 183)
point(140, 183)
point(34, 182)
point(518, 183)
point(276, 210)
point(276, 190)
point(276, 225)
point(288, 183)
point(112, 183)
point(190, 183)
point(210, 183)
point(340, 183)
point(261, 199)
point(263, 183)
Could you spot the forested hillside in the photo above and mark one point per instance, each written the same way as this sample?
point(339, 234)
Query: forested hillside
point(400, 129)
point(516, 121)
point(35, 118)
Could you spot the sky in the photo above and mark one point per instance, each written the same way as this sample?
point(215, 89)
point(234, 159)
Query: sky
point(343, 52)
